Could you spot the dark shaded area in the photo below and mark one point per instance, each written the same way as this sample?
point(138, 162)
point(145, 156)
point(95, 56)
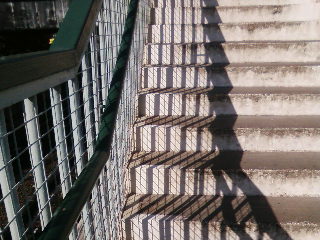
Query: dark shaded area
point(224, 162)
point(25, 41)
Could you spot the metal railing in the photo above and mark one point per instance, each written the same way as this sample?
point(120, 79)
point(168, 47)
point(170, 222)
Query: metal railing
point(65, 121)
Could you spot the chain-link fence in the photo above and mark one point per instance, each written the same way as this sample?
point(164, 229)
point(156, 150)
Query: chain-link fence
point(47, 139)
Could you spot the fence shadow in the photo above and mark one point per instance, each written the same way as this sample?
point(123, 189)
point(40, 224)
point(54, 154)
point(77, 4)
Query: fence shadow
point(261, 213)
point(252, 208)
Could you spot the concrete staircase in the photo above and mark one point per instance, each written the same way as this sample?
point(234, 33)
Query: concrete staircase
point(228, 136)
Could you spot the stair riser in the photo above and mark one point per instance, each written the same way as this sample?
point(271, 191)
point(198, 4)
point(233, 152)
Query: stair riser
point(210, 3)
point(172, 180)
point(189, 77)
point(240, 104)
point(234, 14)
point(232, 53)
point(144, 226)
point(167, 138)
point(244, 32)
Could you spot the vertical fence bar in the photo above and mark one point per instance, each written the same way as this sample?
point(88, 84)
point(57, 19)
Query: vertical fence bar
point(7, 182)
point(98, 216)
point(33, 136)
point(113, 33)
point(88, 108)
point(102, 51)
point(60, 138)
point(73, 88)
point(61, 145)
point(95, 83)
point(89, 126)
point(95, 88)
point(108, 41)
point(105, 187)
point(116, 153)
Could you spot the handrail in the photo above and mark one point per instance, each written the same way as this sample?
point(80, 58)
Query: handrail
point(70, 208)
point(65, 53)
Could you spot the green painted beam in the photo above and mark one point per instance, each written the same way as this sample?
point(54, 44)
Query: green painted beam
point(72, 25)
point(77, 25)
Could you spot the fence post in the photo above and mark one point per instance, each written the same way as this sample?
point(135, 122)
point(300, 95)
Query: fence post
point(95, 83)
point(103, 54)
point(7, 182)
point(33, 136)
point(60, 138)
point(77, 134)
point(61, 145)
point(87, 81)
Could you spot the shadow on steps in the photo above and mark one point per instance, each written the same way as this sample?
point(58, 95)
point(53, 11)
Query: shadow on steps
point(204, 216)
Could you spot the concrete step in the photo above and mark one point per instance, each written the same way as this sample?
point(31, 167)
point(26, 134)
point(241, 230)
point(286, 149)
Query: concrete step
point(232, 14)
point(234, 101)
point(177, 138)
point(185, 54)
point(210, 3)
point(217, 217)
point(232, 121)
point(264, 75)
point(206, 180)
point(200, 33)
point(228, 160)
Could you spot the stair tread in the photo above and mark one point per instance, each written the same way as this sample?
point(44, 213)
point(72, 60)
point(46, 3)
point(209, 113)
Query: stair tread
point(232, 90)
point(230, 52)
point(229, 160)
point(235, 7)
point(244, 31)
point(290, 12)
point(205, 3)
point(265, 24)
point(265, 43)
point(230, 209)
point(232, 121)
point(237, 65)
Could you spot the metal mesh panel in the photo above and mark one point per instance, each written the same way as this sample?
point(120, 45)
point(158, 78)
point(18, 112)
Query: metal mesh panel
point(107, 206)
point(47, 139)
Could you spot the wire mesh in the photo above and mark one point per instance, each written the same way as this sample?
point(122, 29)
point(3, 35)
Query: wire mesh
point(47, 139)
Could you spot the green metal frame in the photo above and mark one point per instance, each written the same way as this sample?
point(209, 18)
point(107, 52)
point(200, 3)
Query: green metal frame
point(69, 210)
point(65, 53)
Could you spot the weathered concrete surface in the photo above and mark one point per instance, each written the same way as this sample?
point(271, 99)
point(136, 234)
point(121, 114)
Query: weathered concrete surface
point(210, 3)
point(199, 217)
point(226, 160)
point(175, 138)
point(161, 179)
point(200, 173)
point(215, 103)
point(225, 121)
point(227, 143)
point(267, 31)
point(263, 75)
point(184, 54)
point(300, 12)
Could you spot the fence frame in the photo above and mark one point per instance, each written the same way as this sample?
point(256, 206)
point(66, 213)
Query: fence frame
point(44, 70)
